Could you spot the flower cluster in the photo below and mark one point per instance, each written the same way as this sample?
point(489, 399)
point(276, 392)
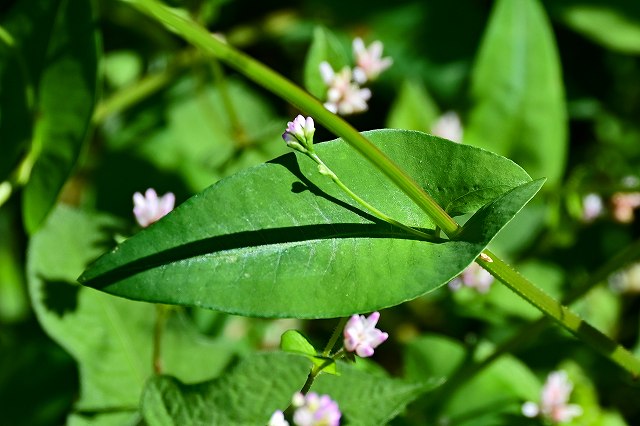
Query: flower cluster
point(345, 95)
point(361, 335)
point(149, 208)
point(311, 410)
point(554, 399)
point(626, 280)
point(624, 204)
point(474, 276)
point(299, 134)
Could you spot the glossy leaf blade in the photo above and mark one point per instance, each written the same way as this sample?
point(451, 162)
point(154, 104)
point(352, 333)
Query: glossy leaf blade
point(281, 240)
point(66, 94)
point(519, 105)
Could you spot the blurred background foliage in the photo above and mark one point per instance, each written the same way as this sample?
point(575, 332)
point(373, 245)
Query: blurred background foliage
point(170, 117)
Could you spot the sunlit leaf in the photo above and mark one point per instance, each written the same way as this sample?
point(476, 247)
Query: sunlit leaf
point(247, 243)
point(326, 46)
point(519, 105)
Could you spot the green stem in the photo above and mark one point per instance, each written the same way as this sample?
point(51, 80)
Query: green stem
point(158, 329)
point(337, 332)
point(533, 329)
point(287, 90)
point(328, 172)
point(560, 313)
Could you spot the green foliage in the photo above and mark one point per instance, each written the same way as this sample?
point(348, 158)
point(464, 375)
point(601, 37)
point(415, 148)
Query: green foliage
point(110, 338)
point(519, 105)
point(413, 108)
point(293, 216)
point(236, 398)
point(59, 42)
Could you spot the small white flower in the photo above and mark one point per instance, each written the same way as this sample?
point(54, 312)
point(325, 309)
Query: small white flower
point(361, 335)
point(592, 207)
point(474, 276)
point(627, 280)
point(299, 134)
point(315, 410)
point(344, 97)
point(149, 208)
point(369, 61)
point(448, 126)
point(277, 419)
point(624, 203)
point(554, 400)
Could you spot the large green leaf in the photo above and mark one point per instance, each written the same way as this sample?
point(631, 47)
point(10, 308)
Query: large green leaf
point(65, 97)
point(326, 46)
point(111, 338)
point(246, 395)
point(247, 243)
point(519, 105)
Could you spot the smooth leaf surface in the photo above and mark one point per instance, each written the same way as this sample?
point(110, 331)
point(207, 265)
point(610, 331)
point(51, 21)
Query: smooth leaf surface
point(111, 338)
point(246, 395)
point(66, 94)
point(519, 105)
point(247, 243)
point(367, 399)
point(325, 46)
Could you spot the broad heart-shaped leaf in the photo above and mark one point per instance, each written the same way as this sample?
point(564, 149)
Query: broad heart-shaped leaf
point(519, 105)
point(365, 398)
point(66, 94)
point(247, 395)
point(281, 240)
point(111, 338)
point(326, 46)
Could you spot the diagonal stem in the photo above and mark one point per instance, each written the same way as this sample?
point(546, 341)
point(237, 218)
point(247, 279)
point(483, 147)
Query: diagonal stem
point(285, 89)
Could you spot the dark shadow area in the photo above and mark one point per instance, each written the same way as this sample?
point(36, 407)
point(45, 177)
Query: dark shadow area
point(262, 237)
point(59, 296)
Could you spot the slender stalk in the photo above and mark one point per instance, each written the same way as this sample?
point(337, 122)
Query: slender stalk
point(328, 172)
point(560, 313)
point(284, 88)
point(334, 336)
point(533, 329)
point(287, 90)
point(158, 329)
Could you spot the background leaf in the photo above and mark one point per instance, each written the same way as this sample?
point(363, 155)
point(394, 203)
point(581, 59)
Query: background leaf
point(325, 46)
point(66, 93)
point(413, 108)
point(615, 24)
point(110, 338)
point(519, 106)
point(15, 118)
point(246, 395)
point(367, 399)
point(296, 225)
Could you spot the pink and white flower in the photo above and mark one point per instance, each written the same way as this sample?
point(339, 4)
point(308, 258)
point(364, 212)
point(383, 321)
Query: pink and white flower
point(315, 410)
point(554, 400)
point(299, 133)
point(474, 276)
point(149, 208)
point(344, 96)
point(624, 203)
point(361, 335)
point(369, 61)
